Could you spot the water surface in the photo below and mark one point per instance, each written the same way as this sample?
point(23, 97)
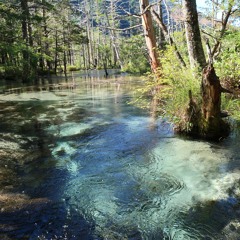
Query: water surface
point(79, 162)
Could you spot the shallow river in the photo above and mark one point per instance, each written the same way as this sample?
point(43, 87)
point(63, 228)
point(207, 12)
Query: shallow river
point(77, 161)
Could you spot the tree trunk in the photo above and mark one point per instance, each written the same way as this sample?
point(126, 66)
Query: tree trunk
point(45, 32)
point(56, 52)
point(88, 30)
point(214, 126)
point(25, 16)
point(211, 93)
point(194, 42)
point(24, 7)
point(149, 35)
point(116, 52)
point(84, 57)
point(204, 119)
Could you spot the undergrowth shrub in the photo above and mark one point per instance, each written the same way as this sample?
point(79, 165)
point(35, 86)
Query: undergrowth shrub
point(171, 90)
point(72, 68)
point(228, 69)
point(12, 73)
point(227, 64)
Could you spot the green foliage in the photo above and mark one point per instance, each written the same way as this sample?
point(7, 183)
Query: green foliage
point(37, 37)
point(232, 105)
point(105, 55)
point(12, 73)
point(180, 40)
point(228, 64)
point(180, 81)
point(72, 68)
point(228, 69)
point(134, 59)
point(171, 90)
point(76, 34)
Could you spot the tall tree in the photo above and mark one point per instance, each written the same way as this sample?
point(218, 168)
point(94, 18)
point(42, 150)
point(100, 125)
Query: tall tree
point(26, 38)
point(194, 42)
point(149, 35)
point(206, 120)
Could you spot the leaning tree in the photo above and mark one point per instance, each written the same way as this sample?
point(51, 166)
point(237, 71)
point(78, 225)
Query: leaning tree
point(149, 35)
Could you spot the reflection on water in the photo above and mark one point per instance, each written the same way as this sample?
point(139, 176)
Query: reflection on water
point(79, 162)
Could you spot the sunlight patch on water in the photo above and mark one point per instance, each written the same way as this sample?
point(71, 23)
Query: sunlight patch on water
point(27, 96)
point(63, 148)
point(63, 153)
point(195, 164)
point(71, 128)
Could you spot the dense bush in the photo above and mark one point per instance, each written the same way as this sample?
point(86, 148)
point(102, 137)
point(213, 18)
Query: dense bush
point(12, 73)
point(72, 68)
point(228, 62)
point(228, 69)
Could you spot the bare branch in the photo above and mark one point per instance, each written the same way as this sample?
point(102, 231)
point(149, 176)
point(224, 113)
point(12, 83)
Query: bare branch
point(224, 90)
point(208, 34)
point(223, 29)
point(121, 29)
point(149, 7)
point(236, 10)
point(166, 34)
point(129, 13)
point(139, 15)
point(209, 52)
point(215, 2)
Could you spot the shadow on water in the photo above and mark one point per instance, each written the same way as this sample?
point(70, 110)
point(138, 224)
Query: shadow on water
point(31, 199)
point(31, 202)
point(43, 219)
point(79, 163)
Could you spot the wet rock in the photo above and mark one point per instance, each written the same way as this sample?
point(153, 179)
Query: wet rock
point(5, 237)
point(5, 106)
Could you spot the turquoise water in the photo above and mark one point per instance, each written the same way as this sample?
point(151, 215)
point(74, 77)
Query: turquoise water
point(110, 171)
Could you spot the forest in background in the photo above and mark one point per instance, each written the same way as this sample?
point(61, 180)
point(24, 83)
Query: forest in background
point(41, 37)
point(47, 36)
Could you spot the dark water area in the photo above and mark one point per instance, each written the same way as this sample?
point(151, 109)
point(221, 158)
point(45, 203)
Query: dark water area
point(77, 161)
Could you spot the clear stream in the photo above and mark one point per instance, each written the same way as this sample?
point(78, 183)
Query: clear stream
point(82, 163)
